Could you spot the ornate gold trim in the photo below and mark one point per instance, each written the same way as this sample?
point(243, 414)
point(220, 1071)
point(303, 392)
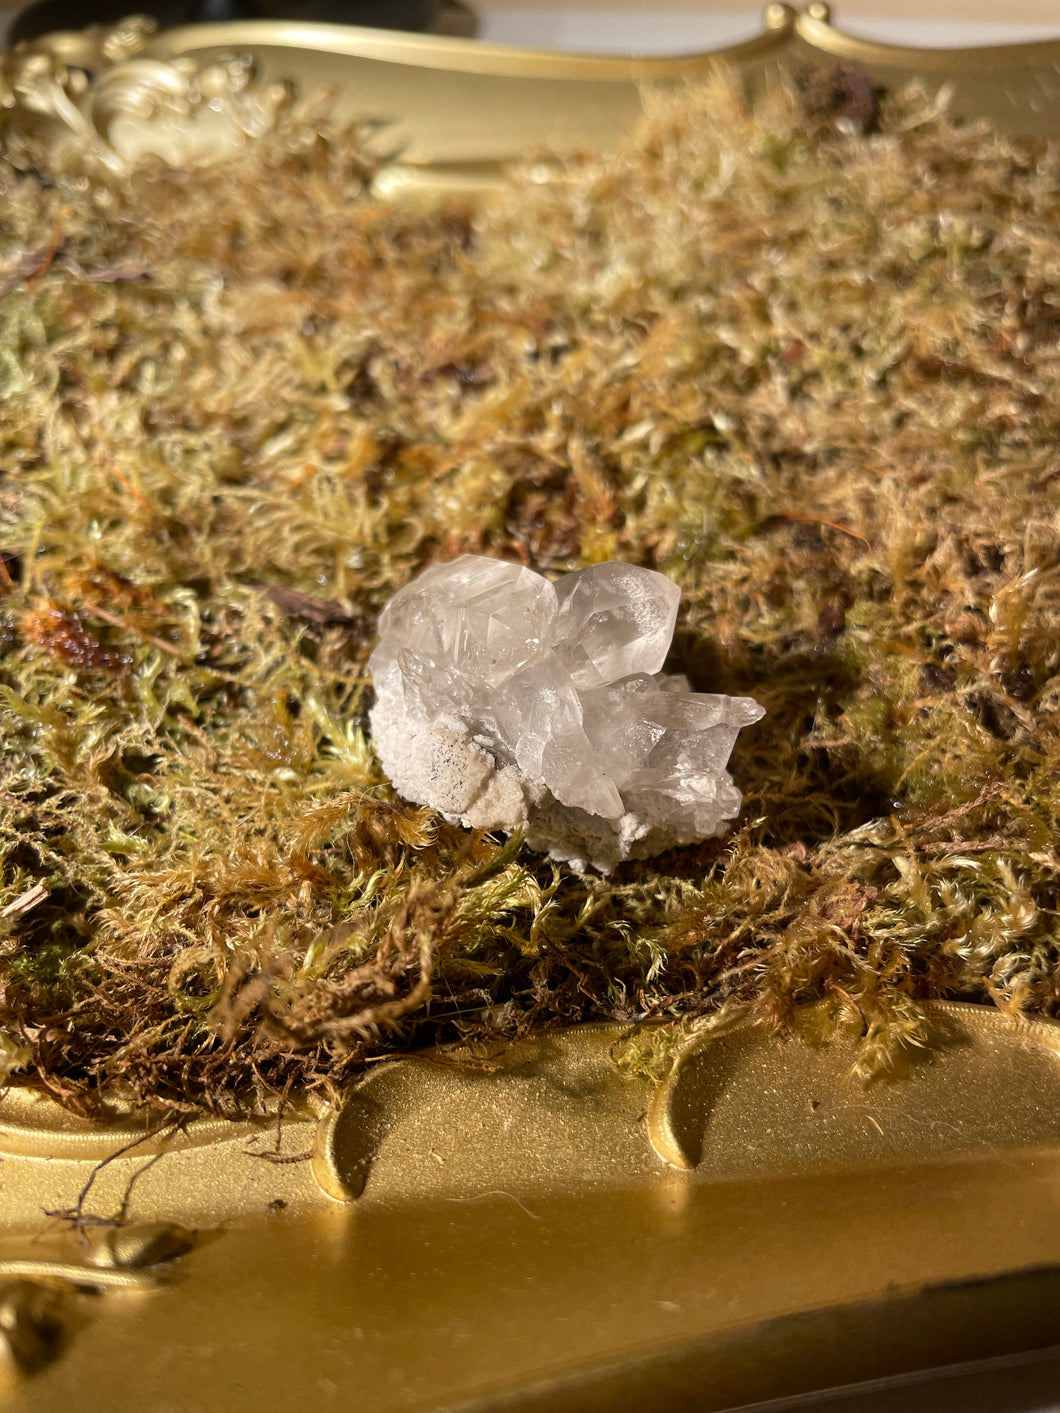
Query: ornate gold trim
point(456, 109)
point(679, 1111)
point(99, 96)
point(585, 1200)
point(468, 56)
point(815, 28)
point(1015, 86)
point(782, 24)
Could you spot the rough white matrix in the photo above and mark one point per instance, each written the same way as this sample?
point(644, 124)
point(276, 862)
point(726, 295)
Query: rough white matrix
point(508, 702)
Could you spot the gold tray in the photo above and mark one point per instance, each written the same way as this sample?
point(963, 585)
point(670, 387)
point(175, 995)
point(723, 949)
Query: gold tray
point(534, 1229)
point(454, 112)
point(530, 1229)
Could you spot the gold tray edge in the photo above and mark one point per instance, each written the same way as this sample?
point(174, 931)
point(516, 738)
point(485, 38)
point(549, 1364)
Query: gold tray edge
point(821, 35)
point(782, 25)
point(462, 55)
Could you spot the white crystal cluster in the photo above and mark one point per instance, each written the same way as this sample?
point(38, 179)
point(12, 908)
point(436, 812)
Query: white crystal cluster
point(506, 701)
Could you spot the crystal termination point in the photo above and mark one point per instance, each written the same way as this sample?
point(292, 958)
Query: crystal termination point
point(507, 702)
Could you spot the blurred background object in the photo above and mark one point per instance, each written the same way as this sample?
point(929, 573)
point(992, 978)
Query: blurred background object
point(603, 26)
point(430, 16)
point(644, 28)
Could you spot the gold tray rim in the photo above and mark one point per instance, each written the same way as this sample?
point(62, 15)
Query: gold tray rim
point(782, 25)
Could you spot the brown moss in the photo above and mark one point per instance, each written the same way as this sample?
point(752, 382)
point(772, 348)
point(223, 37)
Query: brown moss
point(804, 359)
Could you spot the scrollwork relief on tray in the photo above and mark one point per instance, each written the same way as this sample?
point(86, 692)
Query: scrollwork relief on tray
point(97, 95)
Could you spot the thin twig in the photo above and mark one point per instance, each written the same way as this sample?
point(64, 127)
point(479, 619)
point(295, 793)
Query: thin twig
point(75, 1214)
point(280, 1160)
point(26, 901)
point(803, 519)
point(123, 1210)
point(118, 622)
point(497, 1192)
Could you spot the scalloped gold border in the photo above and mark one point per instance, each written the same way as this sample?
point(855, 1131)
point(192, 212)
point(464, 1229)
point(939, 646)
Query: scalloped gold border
point(782, 24)
point(592, 97)
point(471, 56)
point(457, 110)
point(815, 28)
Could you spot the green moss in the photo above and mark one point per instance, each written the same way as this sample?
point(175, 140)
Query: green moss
point(810, 372)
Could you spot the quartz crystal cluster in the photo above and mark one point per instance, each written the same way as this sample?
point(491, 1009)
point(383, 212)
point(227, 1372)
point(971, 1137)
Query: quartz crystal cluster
point(506, 701)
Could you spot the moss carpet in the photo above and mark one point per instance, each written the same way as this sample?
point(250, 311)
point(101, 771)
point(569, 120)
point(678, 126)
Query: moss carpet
point(804, 358)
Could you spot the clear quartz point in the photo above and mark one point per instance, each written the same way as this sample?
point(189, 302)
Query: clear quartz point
point(614, 619)
point(507, 702)
point(479, 618)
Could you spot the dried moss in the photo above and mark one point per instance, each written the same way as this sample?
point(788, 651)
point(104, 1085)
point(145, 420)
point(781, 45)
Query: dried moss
point(809, 371)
